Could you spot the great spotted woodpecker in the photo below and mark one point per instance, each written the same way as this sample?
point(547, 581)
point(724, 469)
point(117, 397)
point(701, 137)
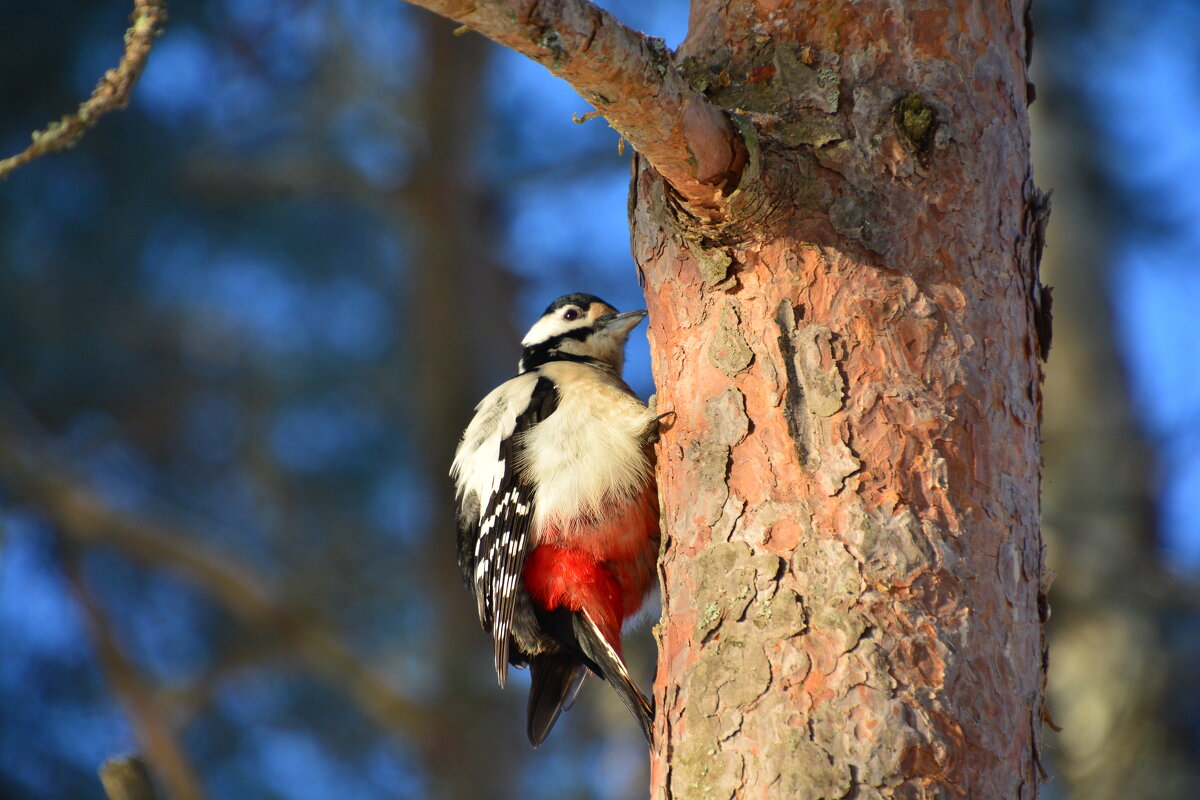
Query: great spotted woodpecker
point(558, 509)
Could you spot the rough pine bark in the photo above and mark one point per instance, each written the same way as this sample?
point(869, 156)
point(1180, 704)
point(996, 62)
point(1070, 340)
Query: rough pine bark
point(852, 558)
point(838, 234)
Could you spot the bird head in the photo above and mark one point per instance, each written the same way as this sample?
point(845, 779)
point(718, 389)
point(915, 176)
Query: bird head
point(579, 327)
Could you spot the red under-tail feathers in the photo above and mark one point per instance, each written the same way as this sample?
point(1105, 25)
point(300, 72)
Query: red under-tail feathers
point(594, 576)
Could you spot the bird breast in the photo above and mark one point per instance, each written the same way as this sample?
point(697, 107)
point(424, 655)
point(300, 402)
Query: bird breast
point(589, 458)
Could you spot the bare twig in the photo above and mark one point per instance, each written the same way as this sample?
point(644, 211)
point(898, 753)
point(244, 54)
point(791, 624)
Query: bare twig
point(630, 79)
point(111, 93)
point(151, 726)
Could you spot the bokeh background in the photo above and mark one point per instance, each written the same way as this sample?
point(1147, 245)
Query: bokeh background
point(244, 321)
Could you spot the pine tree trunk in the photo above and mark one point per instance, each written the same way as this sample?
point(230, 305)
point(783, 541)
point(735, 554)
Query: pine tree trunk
point(850, 487)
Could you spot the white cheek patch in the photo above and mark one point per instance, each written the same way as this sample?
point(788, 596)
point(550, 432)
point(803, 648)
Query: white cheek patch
point(551, 326)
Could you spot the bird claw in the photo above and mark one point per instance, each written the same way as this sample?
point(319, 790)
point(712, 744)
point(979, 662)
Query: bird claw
point(657, 427)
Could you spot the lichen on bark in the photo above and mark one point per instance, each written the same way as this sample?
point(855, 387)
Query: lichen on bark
point(729, 351)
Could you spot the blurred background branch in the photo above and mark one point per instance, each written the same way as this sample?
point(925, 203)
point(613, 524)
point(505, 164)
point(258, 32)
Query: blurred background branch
point(152, 725)
point(33, 474)
point(127, 779)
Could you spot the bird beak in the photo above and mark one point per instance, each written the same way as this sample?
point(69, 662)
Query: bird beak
point(622, 324)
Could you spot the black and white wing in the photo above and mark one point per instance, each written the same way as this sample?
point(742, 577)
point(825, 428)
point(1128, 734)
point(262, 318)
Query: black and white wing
point(496, 501)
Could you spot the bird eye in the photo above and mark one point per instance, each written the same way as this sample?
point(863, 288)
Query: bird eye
point(571, 314)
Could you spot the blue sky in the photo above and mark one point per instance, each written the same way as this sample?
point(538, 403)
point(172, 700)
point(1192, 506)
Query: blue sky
point(1148, 102)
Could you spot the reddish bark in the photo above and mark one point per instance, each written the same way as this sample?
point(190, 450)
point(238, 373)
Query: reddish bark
point(850, 492)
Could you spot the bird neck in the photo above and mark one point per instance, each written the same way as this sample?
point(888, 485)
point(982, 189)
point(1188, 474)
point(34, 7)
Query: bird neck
point(535, 355)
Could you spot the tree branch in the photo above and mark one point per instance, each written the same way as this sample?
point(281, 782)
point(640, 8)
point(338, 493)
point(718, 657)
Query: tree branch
point(111, 93)
point(153, 729)
point(31, 472)
point(127, 779)
point(630, 79)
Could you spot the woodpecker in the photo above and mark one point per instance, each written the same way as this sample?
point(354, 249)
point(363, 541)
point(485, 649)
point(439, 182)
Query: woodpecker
point(558, 509)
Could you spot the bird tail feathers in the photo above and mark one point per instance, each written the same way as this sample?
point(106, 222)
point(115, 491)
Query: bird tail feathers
point(613, 670)
point(555, 679)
